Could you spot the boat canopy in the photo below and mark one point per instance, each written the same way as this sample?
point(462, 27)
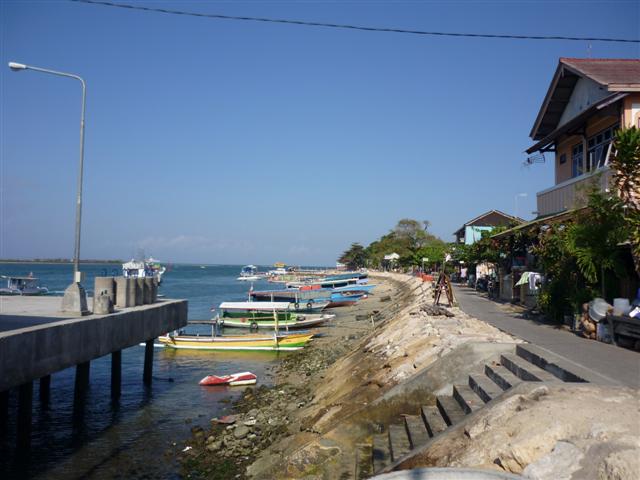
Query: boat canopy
point(254, 306)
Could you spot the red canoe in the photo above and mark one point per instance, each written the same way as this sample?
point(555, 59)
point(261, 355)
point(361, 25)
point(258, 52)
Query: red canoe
point(244, 378)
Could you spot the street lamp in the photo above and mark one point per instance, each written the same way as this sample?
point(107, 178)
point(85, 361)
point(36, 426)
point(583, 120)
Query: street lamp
point(75, 299)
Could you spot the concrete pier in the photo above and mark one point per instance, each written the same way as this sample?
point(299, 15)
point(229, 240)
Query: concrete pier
point(37, 340)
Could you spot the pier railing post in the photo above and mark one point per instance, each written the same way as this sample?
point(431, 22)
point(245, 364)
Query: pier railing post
point(148, 362)
point(116, 374)
point(25, 399)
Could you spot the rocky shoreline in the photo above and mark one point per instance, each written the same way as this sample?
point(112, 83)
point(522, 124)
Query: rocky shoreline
point(266, 415)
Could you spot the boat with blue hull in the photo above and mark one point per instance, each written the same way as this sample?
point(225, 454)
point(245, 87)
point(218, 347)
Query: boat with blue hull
point(304, 297)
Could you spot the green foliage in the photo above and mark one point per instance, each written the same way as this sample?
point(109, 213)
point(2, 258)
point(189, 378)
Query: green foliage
point(409, 238)
point(355, 257)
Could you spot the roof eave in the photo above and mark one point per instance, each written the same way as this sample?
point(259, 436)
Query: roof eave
point(577, 120)
point(547, 98)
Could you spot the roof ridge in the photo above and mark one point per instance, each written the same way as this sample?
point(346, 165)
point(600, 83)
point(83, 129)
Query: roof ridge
point(578, 59)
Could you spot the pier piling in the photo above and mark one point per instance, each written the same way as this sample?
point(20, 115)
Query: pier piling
point(82, 381)
point(25, 399)
point(4, 412)
point(45, 389)
point(116, 374)
point(148, 362)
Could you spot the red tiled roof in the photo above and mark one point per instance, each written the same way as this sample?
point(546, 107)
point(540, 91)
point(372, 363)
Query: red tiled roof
point(606, 71)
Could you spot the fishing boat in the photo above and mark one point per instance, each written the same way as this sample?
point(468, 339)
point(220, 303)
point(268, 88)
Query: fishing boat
point(256, 315)
point(234, 379)
point(359, 287)
point(253, 342)
point(144, 269)
point(330, 282)
point(302, 297)
point(249, 273)
point(22, 286)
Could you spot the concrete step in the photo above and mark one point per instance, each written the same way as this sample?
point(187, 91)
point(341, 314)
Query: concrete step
point(364, 461)
point(416, 430)
point(381, 453)
point(562, 368)
point(468, 400)
point(484, 387)
point(525, 370)
point(450, 410)
point(399, 444)
point(501, 376)
point(433, 420)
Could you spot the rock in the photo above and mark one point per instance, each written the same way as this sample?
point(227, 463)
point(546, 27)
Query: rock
point(557, 465)
point(241, 431)
point(620, 465)
point(210, 439)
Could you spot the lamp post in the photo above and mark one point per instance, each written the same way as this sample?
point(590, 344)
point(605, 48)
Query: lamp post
point(75, 299)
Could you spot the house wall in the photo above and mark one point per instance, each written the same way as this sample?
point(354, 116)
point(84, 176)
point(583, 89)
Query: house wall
point(585, 93)
point(594, 126)
point(631, 111)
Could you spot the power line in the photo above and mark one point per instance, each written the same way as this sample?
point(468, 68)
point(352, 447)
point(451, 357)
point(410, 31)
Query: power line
point(354, 27)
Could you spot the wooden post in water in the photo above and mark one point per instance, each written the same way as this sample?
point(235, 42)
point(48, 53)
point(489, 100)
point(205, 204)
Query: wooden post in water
point(45, 389)
point(25, 398)
point(148, 362)
point(82, 382)
point(116, 374)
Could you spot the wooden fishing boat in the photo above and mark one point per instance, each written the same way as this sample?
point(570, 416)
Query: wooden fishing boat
point(296, 321)
point(264, 342)
point(234, 379)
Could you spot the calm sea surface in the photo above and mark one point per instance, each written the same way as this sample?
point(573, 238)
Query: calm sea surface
point(133, 437)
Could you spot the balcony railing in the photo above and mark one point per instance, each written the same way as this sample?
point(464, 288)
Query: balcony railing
point(572, 193)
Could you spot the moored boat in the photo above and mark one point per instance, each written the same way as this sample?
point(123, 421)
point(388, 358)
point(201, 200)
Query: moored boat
point(234, 379)
point(295, 321)
point(255, 342)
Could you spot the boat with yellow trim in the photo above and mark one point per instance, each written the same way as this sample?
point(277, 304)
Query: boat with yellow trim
point(275, 342)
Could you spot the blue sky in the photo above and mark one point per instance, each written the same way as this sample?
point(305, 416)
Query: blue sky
point(217, 141)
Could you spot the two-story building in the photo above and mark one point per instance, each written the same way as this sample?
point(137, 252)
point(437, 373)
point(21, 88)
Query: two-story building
point(472, 230)
point(587, 100)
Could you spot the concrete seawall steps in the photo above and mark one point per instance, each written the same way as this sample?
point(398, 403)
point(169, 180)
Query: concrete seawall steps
point(499, 374)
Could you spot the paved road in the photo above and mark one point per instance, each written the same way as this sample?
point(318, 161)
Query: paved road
point(619, 364)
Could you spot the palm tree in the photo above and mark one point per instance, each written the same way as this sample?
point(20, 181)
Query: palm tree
point(625, 164)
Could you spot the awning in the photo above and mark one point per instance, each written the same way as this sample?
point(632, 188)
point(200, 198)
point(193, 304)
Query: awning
point(575, 122)
point(539, 221)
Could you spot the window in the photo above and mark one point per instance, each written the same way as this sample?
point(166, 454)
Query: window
point(576, 160)
point(599, 147)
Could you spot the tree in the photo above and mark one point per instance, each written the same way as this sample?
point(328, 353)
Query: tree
point(355, 257)
point(625, 163)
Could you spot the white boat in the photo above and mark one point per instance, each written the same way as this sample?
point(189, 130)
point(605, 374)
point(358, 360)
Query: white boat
point(249, 273)
point(22, 286)
point(144, 269)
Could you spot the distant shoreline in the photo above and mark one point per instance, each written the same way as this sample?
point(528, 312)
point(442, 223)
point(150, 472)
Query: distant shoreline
point(64, 262)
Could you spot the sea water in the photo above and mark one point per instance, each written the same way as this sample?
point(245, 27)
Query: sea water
point(133, 437)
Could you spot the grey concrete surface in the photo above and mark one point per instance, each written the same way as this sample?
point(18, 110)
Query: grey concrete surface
point(620, 365)
point(37, 340)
